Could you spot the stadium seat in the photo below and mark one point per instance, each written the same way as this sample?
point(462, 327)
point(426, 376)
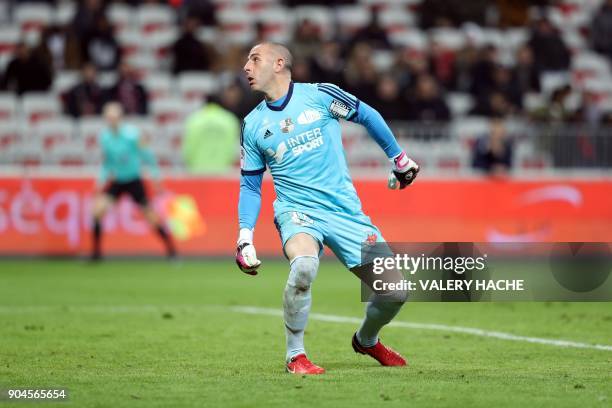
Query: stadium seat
point(70, 153)
point(396, 19)
point(159, 85)
point(37, 106)
point(8, 106)
point(88, 130)
point(53, 131)
point(121, 16)
point(470, 127)
point(64, 81)
point(10, 139)
point(173, 133)
point(64, 13)
point(320, 15)
point(459, 103)
point(32, 17)
point(153, 17)
point(448, 38)
point(194, 86)
point(9, 37)
point(352, 18)
point(29, 153)
point(107, 79)
point(590, 64)
point(235, 19)
point(383, 59)
point(413, 40)
point(278, 23)
point(131, 42)
point(167, 110)
point(144, 62)
point(159, 43)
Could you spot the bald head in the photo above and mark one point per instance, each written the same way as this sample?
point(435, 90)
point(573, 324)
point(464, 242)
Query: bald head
point(268, 68)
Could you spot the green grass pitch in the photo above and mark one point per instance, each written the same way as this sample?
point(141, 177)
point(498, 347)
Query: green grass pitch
point(155, 334)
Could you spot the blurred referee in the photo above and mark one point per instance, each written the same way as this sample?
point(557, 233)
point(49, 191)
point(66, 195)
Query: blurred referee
point(124, 154)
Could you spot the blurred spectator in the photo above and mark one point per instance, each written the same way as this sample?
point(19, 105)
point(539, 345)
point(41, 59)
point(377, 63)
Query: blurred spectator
point(483, 70)
point(306, 39)
point(129, 92)
point(327, 64)
point(26, 72)
point(492, 105)
point(211, 136)
point(556, 110)
point(408, 67)
point(59, 48)
point(373, 34)
point(590, 110)
point(100, 46)
point(514, 13)
point(442, 62)
point(493, 153)
point(525, 76)
point(190, 54)
point(87, 97)
point(427, 103)
point(203, 10)
point(88, 12)
point(360, 75)
point(549, 50)
point(502, 83)
point(388, 100)
point(300, 71)
point(445, 13)
point(601, 30)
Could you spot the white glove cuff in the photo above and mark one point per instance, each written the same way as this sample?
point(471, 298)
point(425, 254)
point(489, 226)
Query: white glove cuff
point(245, 235)
point(400, 162)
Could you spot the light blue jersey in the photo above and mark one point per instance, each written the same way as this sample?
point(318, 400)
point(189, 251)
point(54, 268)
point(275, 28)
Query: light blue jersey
point(301, 143)
point(124, 155)
point(299, 139)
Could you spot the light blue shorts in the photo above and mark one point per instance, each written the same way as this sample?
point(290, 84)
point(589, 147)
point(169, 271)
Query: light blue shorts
point(345, 234)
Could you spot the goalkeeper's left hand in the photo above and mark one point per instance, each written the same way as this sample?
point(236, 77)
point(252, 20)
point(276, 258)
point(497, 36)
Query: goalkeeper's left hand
point(403, 173)
point(246, 257)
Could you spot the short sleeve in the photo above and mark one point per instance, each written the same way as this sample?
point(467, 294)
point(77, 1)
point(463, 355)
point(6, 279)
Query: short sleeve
point(339, 104)
point(252, 161)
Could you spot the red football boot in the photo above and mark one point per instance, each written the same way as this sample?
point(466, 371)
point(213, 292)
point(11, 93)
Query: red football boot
point(379, 352)
point(300, 364)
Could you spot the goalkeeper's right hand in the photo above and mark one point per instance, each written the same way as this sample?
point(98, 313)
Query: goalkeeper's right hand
point(403, 173)
point(246, 257)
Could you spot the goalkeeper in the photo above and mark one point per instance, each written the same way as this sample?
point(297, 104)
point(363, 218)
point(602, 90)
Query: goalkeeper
point(296, 133)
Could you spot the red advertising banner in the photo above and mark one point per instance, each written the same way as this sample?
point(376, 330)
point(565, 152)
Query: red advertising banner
point(52, 216)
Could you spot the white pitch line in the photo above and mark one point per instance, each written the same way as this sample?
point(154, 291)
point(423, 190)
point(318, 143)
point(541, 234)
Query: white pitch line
point(432, 326)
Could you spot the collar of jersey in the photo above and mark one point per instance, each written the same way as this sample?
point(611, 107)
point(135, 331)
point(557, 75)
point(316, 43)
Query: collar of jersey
point(285, 101)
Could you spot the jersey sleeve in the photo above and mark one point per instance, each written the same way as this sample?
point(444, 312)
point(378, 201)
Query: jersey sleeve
point(252, 161)
point(339, 103)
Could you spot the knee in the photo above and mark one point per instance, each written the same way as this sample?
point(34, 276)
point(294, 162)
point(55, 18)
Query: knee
point(303, 272)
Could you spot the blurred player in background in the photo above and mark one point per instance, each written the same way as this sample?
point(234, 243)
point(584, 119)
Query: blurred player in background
point(124, 153)
point(296, 132)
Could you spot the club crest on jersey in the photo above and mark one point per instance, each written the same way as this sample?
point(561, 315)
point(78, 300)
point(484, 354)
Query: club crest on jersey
point(339, 109)
point(286, 125)
point(308, 116)
point(371, 239)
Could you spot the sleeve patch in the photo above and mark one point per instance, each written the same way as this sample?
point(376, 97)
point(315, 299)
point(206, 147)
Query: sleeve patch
point(339, 109)
point(242, 157)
